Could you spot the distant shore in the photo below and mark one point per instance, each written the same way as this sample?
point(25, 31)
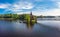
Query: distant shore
point(57, 19)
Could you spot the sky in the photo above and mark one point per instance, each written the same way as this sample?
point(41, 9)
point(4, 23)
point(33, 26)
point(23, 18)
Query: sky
point(37, 7)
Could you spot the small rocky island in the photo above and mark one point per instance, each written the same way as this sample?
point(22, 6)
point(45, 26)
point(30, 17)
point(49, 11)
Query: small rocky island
point(29, 18)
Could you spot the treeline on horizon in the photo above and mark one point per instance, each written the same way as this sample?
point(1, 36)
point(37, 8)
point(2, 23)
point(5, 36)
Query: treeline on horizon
point(41, 16)
point(21, 16)
point(45, 16)
point(15, 16)
point(9, 16)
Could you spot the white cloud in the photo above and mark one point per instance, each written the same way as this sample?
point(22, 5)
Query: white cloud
point(56, 0)
point(19, 6)
point(16, 7)
point(58, 4)
point(38, 0)
point(24, 12)
point(5, 5)
point(23, 5)
point(52, 12)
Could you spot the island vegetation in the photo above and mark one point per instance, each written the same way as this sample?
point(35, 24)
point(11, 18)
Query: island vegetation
point(22, 17)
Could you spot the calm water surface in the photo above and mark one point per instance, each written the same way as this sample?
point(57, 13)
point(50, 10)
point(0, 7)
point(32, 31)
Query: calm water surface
point(40, 29)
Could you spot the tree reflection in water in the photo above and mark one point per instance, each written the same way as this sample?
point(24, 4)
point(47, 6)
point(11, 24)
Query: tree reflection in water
point(30, 25)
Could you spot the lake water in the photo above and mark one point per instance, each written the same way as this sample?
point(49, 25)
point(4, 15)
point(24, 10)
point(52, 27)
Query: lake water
point(44, 28)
